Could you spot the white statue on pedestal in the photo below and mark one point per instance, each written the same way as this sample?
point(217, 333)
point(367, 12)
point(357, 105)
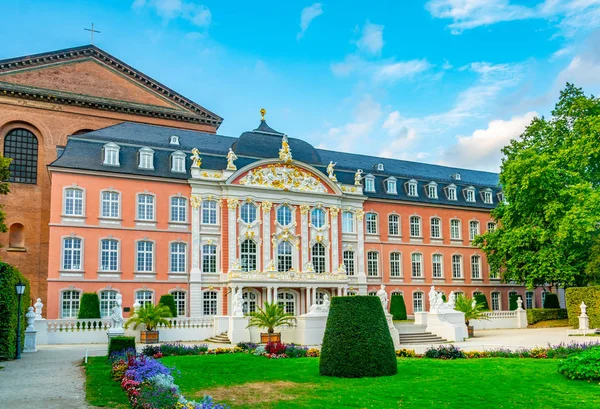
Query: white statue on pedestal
point(238, 303)
point(117, 313)
point(435, 300)
point(583, 309)
point(137, 305)
point(320, 309)
point(383, 297)
point(519, 304)
point(451, 301)
point(38, 309)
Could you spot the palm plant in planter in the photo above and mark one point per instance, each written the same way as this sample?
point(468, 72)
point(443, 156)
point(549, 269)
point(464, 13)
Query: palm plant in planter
point(472, 309)
point(269, 317)
point(151, 316)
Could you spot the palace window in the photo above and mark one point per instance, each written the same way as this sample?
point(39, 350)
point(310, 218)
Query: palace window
point(457, 266)
point(396, 293)
point(470, 194)
point(473, 229)
point(250, 300)
point(317, 218)
point(318, 257)
point(436, 228)
point(432, 190)
point(491, 226)
point(209, 258)
point(248, 255)
point(456, 176)
point(372, 263)
point(145, 207)
point(72, 254)
point(73, 202)
point(180, 302)
point(476, 267)
point(146, 158)
point(109, 255)
point(144, 297)
point(411, 188)
point(110, 204)
point(417, 265)
point(178, 162)
point(284, 215)
point(415, 226)
point(529, 300)
point(487, 197)
point(22, 147)
point(371, 220)
point(544, 292)
point(178, 254)
point(320, 297)
point(390, 184)
point(287, 300)
point(145, 256)
point(174, 140)
point(418, 301)
point(436, 264)
point(494, 275)
point(111, 154)
point(209, 212)
point(495, 301)
point(348, 259)
point(380, 167)
point(394, 225)
point(178, 209)
point(395, 264)
point(209, 301)
point(369, 183)
point(69, 304)
point(455, 229)
point(248, 213)
point(347, 222)
point(372, 293)
point(284, 256)
point(451, 192)
point(108, 299)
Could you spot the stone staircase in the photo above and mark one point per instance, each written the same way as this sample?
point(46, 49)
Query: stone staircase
point(420, 338)
point(222, 338)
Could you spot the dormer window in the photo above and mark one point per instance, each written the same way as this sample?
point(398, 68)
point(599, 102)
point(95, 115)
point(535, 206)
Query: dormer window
point(501, 197)
point(174, 140)
point(111, 154)
point(451, 192)
point(470, 194)
point(379, 167)
point(411, 188)
point(455, 176)
point(432, 190)
point(178, 162)
point(146, 158)
point(487, 196)
point(390, 186)
point(369, 183)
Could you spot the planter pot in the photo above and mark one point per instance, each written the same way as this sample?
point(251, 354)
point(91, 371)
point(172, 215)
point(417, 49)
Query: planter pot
point(149, 337)
point(266, 337)
point(470, 330)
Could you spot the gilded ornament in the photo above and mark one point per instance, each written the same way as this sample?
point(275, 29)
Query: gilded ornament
point(330, 170)
point(195, 201)
point(284, 177)
point(334, 210)
point(285, 153)
point(232, 204)
point(196, 159)
point(231, 157)
point(304, 209)
point(360, 214)
point(358, 177)
point(266, 206)
point(262, 114)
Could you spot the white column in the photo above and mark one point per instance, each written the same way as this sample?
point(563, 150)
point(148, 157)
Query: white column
point(360, 233)
point(195, 290)
point(308, 304)
point(232, 205)
point(335, 256)
point(275, 288)
point(304, 209)
point(313, 296)
point(266, 235)
point(196, 239)
point(269, 295)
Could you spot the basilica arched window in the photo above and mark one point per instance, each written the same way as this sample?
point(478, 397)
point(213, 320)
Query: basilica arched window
point(318, 257)
point(22, 147)
point(284, 256)
point(248, 255)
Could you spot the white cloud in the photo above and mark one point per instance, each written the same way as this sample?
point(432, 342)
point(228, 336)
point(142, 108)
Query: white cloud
point(197, 14)
point(570, 15)
point(371, 40)
point(395, 71)
point(481, 149)
point(384, 71)
point(307, 16)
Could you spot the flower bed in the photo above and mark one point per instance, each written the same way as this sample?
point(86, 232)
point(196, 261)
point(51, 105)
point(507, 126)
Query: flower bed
point(150, 385)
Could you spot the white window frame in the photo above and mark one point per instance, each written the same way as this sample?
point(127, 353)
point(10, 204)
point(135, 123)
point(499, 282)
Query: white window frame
point(349, 260)
point(488, 197)
point(476, 267)
point(318, 260)
point(73, 303)
point(248, 213)
point(318, 217)
point(111, 154)
point(372, 263)
point(451, 192)
point(251, 301)
point(180, 302)
point(77, 203)
point(395, 264)
point(369, 183)
point(74, 251)
point(529, 299)
point(109, 253)
point(108, 299)
point(288, 300)
point(173, 140)
point(210, 303)
point(146, 158)
point(178, 208)
point(371, 223)
point(416, 265)
point(474, 229)
point(435, 228)
point(416, 229)
point(282, 213)
point(210, 258)
point(437, 267)
point(252, 257)
point(209, 211)
point(411, 188)
point(111, 203)
point(497, 303)
point(455, 230)
point(491, 226)
point(178, 162)
point(457, 262)
point(145, 251)
point(432, 190)
point(470, 194)
point(146, 205)
point(177, 257)
point(144, 296)
point(418, 302)
point(348, 221)
point(391, 186)
point(391, 224)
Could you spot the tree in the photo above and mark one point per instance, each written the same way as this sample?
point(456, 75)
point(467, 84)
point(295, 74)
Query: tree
point(550, 178)
point(270, 317)
point(151, 316)
point(4, 188)
point(89, 306)
point(169, 301)
point(472, 310)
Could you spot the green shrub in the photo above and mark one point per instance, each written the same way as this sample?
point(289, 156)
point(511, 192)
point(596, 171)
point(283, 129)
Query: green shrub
point(584, 366)
point(482, 299)
point(398, 308)
point(89, 306)
point(9, 276)
point(513, 302)
point(540, 314)
point(357, 341)
point(551, 301)
point(118, 344)
point(444, 352)
point(591, 297)
point(169, 301)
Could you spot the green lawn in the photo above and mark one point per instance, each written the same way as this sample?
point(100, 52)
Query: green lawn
point(100, 389)
point(246, 381)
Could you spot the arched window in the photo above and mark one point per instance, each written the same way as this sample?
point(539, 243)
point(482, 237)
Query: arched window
point(178, 162)
point(110, 204)
point(395, 264)
point(418, 302)
point(109, 255)
point(529, 299)
point(250, 300)
point(178, 208)
point(436, 260)
point(178, 254)
point(209, 301)
point(16, 236)
point(144, 297)
point(180, 302)
point(145, 256)
point(72, 254)
point(287, 300)
point(108, 299)
point(209, 212)
point(146, 158)
point(415, 226)
point(348, 259)
point(417, 265)
point(317, 218)
point(457, 266)
point(284, 215)
point(473, 229)
point(371, 221)
point(372, 263)
point(394, 225)
point(284, 256)
point(69, 304)
point(73, 202)
point(22, 147)
point(476, 266)
point(248, 213)
point(318, 257)
point(209, 258)
point(248, 255)
point(436, 228)
point(495, 301)
point(145, 207)
point(455, 229)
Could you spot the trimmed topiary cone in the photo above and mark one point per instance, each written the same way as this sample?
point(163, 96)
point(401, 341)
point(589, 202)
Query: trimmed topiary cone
point(551, 301)
point(482, 299)
point(357, 341)
point(169, 301)
point(398, 308)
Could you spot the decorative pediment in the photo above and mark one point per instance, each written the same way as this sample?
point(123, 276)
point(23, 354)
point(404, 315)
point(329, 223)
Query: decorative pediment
point(283, 177)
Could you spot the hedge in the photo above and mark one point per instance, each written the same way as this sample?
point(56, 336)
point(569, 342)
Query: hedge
point(357, 340)
point(513, 302)
point(544, 314)
point(118, 344)
point(398, 308)
point(482, 299)
point(9, 276)
point(591, 297)
point(89, 306)
point(169, 301)
point(551, 301)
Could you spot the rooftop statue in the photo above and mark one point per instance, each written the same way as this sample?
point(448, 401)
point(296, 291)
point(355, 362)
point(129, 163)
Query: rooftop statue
point(330, 170)
point(196, 159)
point(231, 157)
point(358, 177)
point(285, 153)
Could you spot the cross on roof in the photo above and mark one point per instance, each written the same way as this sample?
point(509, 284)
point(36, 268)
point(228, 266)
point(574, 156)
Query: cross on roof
point(92, 31)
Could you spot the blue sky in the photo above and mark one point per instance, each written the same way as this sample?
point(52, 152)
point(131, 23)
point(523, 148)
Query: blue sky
point(439, 81)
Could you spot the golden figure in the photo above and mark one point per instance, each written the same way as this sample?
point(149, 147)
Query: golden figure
point(196, 159)
point(330, 170)
point(358, 177)
point(285, 153)
point(231, 156)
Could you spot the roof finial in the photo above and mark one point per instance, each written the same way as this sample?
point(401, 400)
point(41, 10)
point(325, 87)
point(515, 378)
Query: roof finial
point(262, 114)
